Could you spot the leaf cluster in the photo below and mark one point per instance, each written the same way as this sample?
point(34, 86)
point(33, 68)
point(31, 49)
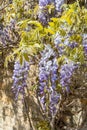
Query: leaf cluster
point(34, 35)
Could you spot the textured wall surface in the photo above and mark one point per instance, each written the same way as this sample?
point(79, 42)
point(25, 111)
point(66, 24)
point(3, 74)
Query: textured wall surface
point(9, 118)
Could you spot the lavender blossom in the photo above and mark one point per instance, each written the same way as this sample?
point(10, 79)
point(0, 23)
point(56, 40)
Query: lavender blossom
point(43, 15)
point(66, 72)
point(20, 74)
point(48, 78)
point(85, 44)
point(54, 98)
point(61, 42)
point(58, 5)
point(44, 3)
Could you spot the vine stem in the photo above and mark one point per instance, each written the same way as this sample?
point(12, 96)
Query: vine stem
point(28, 114)
point(29, 120)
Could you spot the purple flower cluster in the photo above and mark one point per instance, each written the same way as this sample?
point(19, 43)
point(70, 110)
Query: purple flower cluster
point(53, 102)
point(43, 3)
point(66, 72)
point(58, 5)
point(48, 78)
point(20, 74)
point(68, 69)
point(44, 67)
point(4, 37)
point(54, 96)
point(85, 48)
point(61, 42)
point(7, 35)
point(42, 17)
point(43, 13)
point(85, 44)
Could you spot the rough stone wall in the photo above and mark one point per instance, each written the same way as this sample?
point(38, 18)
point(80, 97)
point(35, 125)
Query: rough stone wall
point(13, 116)
point(9, 118)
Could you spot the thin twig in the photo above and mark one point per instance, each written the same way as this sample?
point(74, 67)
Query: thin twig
point(32, 126)
point(29, 120)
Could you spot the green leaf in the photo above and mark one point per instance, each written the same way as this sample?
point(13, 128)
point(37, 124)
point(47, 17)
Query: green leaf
point(54, 19)
point(49, 30)
point(36, 23)
point(21, 59)
point(26, 56)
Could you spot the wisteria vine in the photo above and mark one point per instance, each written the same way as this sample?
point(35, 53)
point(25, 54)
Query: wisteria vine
point(57, 64)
